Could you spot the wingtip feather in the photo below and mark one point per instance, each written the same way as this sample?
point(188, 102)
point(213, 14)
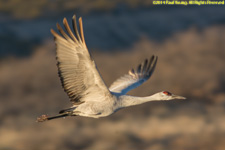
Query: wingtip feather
point(64, 20)
point(80, 19)
point(52, 31)
point(55, 34)
point(74, 16)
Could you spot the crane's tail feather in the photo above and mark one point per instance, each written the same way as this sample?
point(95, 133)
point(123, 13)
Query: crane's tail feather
point(68, 110)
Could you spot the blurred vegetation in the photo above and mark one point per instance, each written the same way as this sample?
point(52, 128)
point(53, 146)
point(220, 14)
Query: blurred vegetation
point(27, 9)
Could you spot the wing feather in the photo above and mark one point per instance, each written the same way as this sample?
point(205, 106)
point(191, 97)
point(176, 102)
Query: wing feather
point(75, 28)
point(134, 78)
point(77, 71)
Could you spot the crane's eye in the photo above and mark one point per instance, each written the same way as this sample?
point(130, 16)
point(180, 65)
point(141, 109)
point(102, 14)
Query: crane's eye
point(167, 93)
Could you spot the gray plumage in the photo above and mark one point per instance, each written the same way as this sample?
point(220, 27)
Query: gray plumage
point(83, 84)
point(134, 78)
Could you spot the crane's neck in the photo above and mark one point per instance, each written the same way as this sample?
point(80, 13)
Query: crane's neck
point(127, 100)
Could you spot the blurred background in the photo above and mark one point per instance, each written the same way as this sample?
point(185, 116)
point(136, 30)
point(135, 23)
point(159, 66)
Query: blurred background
point(190, 44)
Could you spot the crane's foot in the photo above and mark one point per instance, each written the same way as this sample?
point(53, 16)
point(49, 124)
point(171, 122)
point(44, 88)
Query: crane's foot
point(42, 118)
point(45, 117)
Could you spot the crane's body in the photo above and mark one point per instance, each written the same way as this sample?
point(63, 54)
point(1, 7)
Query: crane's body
point(83, 84)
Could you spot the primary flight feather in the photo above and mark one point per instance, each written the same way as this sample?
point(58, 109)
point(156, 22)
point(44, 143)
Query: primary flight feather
point(83, 84)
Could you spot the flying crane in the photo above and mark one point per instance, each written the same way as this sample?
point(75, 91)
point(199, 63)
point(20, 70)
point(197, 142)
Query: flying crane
point(83, 84)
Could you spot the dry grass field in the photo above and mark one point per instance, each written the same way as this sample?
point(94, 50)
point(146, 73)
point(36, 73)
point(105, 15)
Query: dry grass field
point(191, 63)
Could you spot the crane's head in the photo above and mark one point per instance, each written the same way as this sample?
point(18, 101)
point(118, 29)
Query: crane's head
point(165, 95)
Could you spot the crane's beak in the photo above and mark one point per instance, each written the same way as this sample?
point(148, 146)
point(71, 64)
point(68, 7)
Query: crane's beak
point(178, 97)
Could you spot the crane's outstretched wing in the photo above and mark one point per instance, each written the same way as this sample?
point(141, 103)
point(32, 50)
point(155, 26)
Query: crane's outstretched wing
point(77, 70)
point(134, 78)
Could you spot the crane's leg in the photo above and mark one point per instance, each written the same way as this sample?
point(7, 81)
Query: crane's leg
point(62, 113)
point(45, 117)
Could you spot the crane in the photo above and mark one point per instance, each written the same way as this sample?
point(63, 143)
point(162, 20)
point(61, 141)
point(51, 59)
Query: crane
point(83, 84)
